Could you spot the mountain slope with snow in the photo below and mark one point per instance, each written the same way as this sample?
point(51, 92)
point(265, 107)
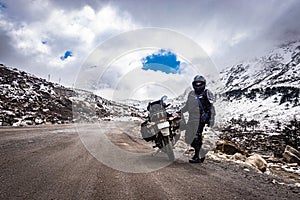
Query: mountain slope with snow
point(265, 89)
point(29, 100)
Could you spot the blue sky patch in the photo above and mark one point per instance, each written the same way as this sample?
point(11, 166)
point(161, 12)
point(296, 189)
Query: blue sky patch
point(67, 54)
point(2, 6)
point(164, 61)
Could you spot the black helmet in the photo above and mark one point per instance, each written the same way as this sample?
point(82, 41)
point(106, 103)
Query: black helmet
point(199, 84)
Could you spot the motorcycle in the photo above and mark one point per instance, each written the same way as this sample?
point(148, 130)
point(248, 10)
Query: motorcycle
point(161, 127)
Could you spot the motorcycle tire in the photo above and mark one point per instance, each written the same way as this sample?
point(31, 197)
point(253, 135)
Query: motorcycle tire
point(169, 148)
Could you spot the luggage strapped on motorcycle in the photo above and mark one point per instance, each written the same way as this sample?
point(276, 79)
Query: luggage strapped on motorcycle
point(157, 113)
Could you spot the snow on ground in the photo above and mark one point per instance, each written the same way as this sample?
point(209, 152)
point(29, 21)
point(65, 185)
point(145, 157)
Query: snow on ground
point(266, 111)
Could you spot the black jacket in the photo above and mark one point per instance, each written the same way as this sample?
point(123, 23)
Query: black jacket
point(192, 106)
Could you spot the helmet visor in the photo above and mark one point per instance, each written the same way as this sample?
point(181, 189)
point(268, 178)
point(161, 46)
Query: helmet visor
point(198, 83)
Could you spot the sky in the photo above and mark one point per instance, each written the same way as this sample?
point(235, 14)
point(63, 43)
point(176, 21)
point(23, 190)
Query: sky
point(56, 37)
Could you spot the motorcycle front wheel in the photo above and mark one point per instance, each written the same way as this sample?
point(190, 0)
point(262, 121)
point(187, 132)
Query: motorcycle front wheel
point(168, 148)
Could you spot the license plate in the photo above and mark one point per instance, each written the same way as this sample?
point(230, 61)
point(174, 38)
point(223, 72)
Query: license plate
point(165, 131)
point(163, 125)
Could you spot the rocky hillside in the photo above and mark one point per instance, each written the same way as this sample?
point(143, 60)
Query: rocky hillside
point(29, 100)
point(258, 108)
point(265, 89)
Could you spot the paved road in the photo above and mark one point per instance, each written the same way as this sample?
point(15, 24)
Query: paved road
point(55, 162)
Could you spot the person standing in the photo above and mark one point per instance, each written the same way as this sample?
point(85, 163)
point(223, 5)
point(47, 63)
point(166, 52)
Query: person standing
point(201, 111)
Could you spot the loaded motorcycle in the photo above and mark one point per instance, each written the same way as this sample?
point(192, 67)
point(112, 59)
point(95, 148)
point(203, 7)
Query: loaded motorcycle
point(161, 127)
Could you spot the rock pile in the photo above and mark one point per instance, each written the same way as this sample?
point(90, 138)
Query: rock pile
point(256, 141)
point(257, 149)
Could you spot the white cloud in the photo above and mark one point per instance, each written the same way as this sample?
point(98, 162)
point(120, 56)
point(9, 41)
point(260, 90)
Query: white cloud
point(141, 84)
point(115, 68)
point(227, 31)
point(125, 78)
point(43, 40)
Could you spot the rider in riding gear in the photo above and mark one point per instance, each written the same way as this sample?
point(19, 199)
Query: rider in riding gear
point(199, 105)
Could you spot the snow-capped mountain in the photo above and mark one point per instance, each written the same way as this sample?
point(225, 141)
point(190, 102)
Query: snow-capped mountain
point(279, 68)
point(29, 100)
point(265, 89)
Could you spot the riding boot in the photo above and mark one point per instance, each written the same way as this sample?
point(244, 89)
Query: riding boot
point(203, 153)
point(195, 158)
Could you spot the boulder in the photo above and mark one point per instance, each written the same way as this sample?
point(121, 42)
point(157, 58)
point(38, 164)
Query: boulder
point(229, 148)
point(291, 155)
point(238, 156)
point(258, 162)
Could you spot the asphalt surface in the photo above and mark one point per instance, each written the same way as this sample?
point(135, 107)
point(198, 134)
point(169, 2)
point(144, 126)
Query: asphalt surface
point(64, 162)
